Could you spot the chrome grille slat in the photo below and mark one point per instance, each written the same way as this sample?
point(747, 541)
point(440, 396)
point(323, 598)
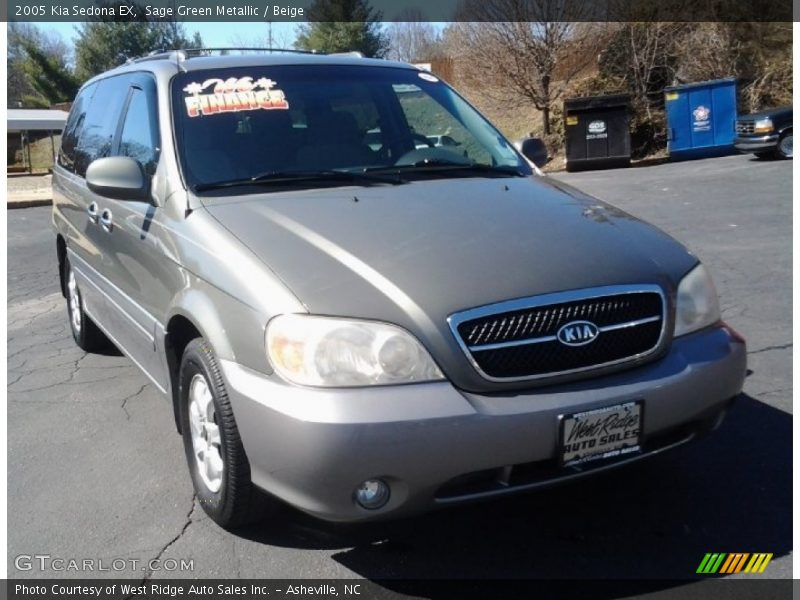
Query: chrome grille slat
point(550, 338)
point(517, 340)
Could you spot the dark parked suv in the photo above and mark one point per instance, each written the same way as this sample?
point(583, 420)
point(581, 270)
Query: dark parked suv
point(356, 319)
point(766, 133)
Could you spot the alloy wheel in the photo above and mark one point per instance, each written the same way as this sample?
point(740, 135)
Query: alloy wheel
point(785, 146)
point(205, 432)
point(74, 303)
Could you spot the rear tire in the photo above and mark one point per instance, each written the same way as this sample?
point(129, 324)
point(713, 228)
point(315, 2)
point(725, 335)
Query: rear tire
point(86, 334)
point(217, 462)
point(784, 148)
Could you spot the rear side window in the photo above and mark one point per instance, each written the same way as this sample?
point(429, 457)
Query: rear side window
point(101, 122)
point(139, 138)
point(73, 127)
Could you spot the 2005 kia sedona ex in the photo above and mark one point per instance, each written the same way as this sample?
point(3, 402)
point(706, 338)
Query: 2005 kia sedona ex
point(354, 319)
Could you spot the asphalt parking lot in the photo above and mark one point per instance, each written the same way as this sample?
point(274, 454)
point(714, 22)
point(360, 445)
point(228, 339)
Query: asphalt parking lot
point(96, 470)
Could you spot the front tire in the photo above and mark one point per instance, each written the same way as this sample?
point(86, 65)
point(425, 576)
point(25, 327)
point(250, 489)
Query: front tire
point(784, 148)
point(217, 462)
point(86, 334)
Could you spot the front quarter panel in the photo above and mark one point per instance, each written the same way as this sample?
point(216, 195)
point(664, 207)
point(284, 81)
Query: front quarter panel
point(234, 330)
point(227, 292)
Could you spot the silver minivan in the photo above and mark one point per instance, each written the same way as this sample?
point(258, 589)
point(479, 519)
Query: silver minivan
point(355, 320)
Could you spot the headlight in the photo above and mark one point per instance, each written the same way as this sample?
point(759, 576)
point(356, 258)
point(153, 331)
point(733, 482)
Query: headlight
point(697, 304)
point(331, 352)
point(763, 126)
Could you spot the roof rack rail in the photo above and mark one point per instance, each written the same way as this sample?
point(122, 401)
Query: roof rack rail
point(157, 55)
point(190, 52)
point(179, 55)
point(353, 53)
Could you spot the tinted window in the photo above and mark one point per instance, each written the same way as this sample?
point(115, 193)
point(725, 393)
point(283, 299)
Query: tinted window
point(73, 127)
point(101, 122)
point(139, 138)
point(234, 124)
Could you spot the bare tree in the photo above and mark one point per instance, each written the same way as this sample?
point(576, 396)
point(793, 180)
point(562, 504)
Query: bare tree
point(651, 53)
point(525, 50)
point(708, 51)
point(757, 54)
point(270, 38)
point(412, 39)
point(645, 48)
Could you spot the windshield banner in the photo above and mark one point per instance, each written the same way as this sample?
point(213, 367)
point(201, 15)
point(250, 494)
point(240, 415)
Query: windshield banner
point(235, 94)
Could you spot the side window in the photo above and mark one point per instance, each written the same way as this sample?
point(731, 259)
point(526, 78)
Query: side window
point(73, 127)
point(139, 138)
point(101, 122)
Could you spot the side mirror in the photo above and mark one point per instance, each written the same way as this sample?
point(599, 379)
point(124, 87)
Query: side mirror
point(118, 177)
point(534, 150)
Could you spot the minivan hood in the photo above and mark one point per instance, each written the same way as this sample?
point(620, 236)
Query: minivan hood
point(414, 254)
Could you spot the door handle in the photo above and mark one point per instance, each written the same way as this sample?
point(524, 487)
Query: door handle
point(106, 220)
point(91, 210)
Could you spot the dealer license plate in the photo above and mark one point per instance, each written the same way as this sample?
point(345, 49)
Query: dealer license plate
point(601, 433)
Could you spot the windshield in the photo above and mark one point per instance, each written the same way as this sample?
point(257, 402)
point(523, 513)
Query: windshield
point(256, 125)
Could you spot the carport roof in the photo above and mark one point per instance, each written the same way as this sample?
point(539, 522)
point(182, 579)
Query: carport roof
point(31, 119)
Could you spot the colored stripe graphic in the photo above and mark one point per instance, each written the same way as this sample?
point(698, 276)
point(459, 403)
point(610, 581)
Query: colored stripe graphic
point(734, 562)
point(703, 563)
point(710, 563)
point(758, 563)
point(726, 564)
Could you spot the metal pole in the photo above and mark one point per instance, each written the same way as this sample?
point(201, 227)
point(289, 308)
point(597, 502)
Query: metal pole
point(26, 158)
point(53, 147)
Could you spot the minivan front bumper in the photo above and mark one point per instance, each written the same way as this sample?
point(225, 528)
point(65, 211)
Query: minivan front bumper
point(434, 444)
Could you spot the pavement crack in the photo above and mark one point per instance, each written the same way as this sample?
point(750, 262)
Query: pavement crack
point(773, 392)
point(131, 397)
point(236, 560)
point(771, 348)
point(76, 367)
point(171, 542)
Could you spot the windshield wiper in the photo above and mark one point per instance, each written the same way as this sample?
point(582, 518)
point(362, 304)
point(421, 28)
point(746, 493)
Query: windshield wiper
point(441, 165)
point(274, 177)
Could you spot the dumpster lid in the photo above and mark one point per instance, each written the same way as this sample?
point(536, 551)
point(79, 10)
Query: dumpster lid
point(699, 84)
point(587, 102)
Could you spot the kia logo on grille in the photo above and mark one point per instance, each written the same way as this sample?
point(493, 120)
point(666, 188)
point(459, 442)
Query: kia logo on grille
point(578, 333)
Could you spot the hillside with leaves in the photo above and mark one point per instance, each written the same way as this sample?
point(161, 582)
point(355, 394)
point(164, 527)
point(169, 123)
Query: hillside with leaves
point(638, 58)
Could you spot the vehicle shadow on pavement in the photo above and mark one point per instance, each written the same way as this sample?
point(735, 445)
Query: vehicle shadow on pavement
point(729, 492)
point(108, 350)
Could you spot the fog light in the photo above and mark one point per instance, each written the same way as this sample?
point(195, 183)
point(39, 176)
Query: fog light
point(372, 494)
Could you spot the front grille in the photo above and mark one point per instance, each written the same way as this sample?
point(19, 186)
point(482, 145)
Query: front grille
point(745, 126)
point(519, 339)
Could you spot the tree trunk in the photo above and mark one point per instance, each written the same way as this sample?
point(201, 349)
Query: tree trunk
point(546, 119)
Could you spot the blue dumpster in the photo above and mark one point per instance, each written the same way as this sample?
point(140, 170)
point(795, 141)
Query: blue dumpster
point(701, 118)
